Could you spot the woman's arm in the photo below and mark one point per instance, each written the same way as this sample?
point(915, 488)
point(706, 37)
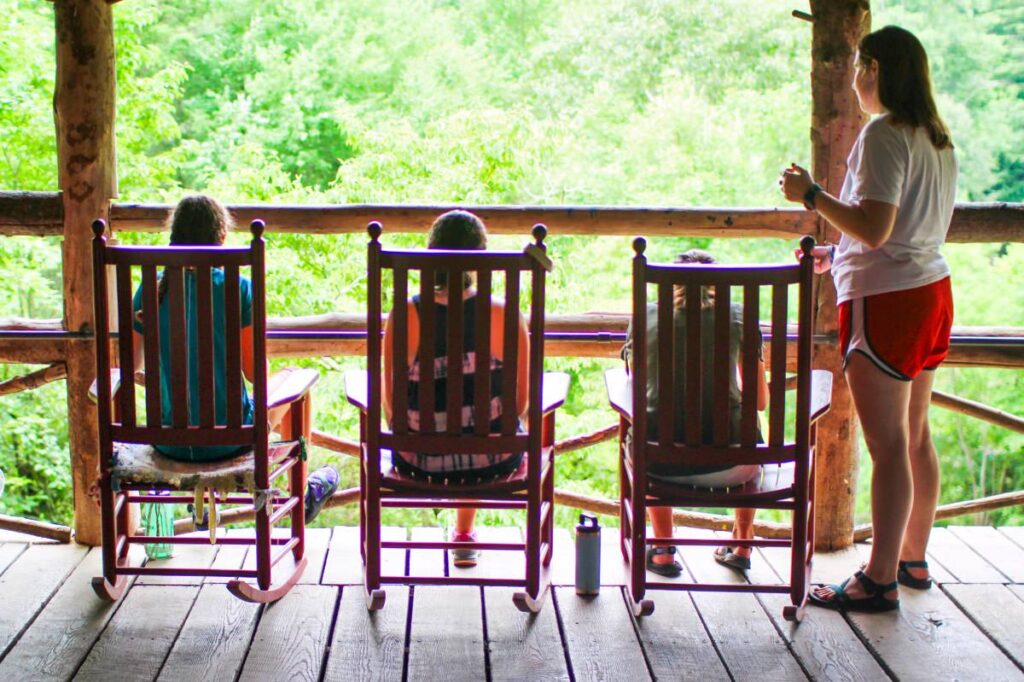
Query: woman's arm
point(523, 352)
point(762, 382)
point(248, 363)
point(868, 221)
point(413, 336)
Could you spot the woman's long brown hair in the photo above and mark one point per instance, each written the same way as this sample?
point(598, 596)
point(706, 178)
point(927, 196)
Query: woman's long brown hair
point(904, 81)
point(707, 295)
point(197, 220)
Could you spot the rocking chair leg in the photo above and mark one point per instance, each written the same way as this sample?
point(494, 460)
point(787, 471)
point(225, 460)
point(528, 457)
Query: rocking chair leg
point(530, 604)
point(255, 594)
point(110, 591)
point(374, 599)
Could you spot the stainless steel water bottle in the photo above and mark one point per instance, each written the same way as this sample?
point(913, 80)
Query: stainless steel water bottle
point(588, 555)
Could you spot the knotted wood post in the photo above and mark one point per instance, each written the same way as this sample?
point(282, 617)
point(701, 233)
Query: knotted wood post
point(83, 106)
point(836, 119)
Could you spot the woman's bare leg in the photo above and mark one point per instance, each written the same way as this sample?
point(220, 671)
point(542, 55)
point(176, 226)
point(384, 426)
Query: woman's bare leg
point(924, 467)
point(661, 522)
point(883, 406)
point(743, 530)
point(464, 519)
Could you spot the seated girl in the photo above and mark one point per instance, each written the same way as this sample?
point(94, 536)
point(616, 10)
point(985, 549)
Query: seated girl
point(661, 560)
point(202, 221)
point(456, 230)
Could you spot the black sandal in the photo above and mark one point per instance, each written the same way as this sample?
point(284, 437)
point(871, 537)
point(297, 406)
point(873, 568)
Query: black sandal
point(874, 602)
point(725, 556)
point(903, 576)
point(672, 570)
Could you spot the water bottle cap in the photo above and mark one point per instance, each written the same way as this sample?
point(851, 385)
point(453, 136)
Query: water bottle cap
point(588, 524)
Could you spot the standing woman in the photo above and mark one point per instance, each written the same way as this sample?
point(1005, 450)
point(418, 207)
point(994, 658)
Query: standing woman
point(895, 302)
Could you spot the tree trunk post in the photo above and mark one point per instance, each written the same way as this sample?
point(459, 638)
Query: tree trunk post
point(836, 119)
point(83, 106)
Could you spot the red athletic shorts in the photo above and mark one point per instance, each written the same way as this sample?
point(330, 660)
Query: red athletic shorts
point(902, 332)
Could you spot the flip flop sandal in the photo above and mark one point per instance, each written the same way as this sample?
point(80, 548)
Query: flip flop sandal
point(874, 602)
point(672, 570)
point(725, 556)
point(903, 576)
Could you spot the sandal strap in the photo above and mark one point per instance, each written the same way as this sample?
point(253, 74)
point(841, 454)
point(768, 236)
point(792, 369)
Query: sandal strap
point(664, 550)
point(913, 564)
point(871, 587)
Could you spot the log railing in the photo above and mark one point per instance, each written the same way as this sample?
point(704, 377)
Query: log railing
point(578, 335)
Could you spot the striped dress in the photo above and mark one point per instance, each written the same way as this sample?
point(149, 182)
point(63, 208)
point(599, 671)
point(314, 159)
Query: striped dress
point(463, 466)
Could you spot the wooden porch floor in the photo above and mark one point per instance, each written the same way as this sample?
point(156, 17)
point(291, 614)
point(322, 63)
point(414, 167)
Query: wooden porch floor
point(53, 628)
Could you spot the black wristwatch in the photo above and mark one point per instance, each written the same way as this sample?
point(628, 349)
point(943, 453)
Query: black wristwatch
point(810, 195)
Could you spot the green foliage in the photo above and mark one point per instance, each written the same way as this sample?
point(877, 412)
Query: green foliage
point(632, 102)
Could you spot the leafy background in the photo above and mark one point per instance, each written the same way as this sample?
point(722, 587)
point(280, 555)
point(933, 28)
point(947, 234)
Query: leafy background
point(631, 102)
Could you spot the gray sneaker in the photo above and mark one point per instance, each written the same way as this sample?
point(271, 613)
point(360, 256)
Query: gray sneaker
point(464, 558)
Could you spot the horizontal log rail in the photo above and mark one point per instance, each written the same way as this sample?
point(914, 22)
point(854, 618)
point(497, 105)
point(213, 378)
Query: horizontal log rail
point(578, 335)
point(39, 529)
point(34, 379)
point(978, 411)
point(954, 509)
point(41, 214)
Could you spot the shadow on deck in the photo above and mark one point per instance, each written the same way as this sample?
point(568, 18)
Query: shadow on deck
point(53, 628)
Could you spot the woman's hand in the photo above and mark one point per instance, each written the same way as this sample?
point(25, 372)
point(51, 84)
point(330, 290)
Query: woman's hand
point(795, 182)
point(822, 256)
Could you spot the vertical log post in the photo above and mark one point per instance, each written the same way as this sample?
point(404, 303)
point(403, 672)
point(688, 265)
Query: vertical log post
point(83, 105)
point(836, 119)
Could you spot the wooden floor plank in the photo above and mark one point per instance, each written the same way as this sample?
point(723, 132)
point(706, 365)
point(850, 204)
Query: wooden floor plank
point(368, 646)
point(1015, 533)
point(563, 562)
point(214, 639)
point(230, 556)
point(997, 549)
point(966, 565)
point(677, 645)
point(28, 584)
point(292, 636)
point(522, 646)
point(317, 542)
point(428, 562)
point(495, 563)
point(343, 565)
point(614, 569)
point(192, 556)
point(61, 636)
point(747, 639)
point(824, 642)
point(929, 638)
point(135, 642)
point(9, 551)
point(446, 635)
point(599, 636)
point(996, 610)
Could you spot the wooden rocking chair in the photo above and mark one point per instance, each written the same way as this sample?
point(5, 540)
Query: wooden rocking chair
point(531, 487)
point(130, 465)
point(787, 478)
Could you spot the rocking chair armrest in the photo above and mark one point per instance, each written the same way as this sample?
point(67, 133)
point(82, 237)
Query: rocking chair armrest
point(294, 387)
point(821, 393)
point(555, 388)
point(619, 385)
point(357, 388)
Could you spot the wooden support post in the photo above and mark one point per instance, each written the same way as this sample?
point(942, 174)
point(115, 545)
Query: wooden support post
point(83, 106)
point(836, 120)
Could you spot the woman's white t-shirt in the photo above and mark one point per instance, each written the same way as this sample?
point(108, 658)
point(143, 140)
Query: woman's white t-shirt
point(897, 165)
